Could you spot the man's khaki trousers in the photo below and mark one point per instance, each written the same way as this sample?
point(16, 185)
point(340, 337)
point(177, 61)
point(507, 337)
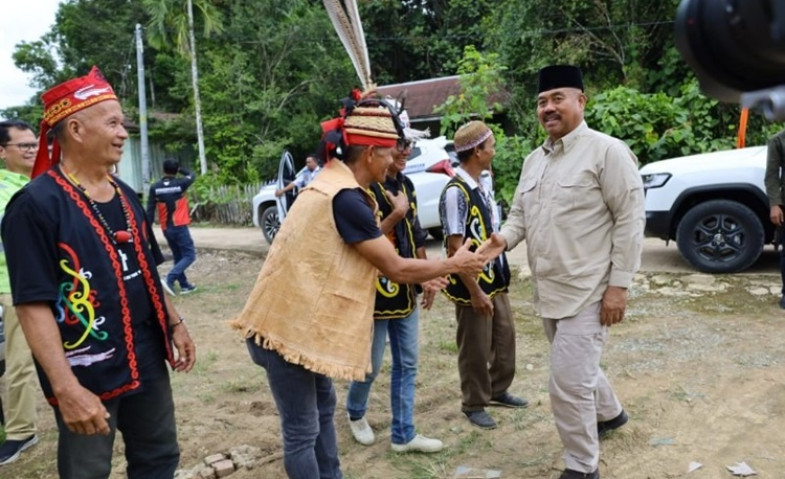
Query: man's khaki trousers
point(580, 393)
point(20, 378)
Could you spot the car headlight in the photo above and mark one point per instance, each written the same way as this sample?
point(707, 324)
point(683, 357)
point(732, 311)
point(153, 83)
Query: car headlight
point(655, 180)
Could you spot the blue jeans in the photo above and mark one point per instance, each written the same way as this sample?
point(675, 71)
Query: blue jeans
point(306, 405)
point(183, 250)
point(146, 421)
point(403, 345)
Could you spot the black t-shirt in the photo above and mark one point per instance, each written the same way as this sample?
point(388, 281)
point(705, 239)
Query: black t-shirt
point(354, 217)
point(37, 280)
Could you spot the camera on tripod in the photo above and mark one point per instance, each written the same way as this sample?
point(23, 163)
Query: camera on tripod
point(737, 50)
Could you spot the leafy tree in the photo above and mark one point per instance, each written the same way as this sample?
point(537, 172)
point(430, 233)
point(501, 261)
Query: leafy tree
point(267, 81)
point(91, 32)
point(86, 33)
point(614, 42)
point(419, 39)
point(169, 22)
point(169, 14)
point(481, 85)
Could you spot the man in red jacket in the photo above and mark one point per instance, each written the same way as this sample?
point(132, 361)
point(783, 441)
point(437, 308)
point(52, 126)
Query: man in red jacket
point(168, 195)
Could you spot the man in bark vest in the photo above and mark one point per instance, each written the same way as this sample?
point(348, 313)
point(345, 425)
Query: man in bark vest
point(82, 261)
point(331, 245)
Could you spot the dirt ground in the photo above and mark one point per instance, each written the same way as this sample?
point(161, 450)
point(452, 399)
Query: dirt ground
point(700, 374)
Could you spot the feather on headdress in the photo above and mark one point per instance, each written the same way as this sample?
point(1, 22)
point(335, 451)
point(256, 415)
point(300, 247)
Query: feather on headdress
point(346, 20)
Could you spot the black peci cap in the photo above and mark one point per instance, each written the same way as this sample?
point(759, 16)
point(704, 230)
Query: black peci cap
point(559, 76)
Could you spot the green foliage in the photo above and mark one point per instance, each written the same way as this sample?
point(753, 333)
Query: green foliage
point(271, 71)
point(414, 40)
point(657, 126)
point(169, 22)
point(29, 113)
point(85, 33)
point(480, 87)
point(266, 84)
point(507, 164)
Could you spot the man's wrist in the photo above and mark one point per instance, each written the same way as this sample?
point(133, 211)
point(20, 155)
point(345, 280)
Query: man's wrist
point(180, 320)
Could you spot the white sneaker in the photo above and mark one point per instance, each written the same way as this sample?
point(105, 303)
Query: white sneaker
point(169, 288)
point(362, 431)
point(419, 444)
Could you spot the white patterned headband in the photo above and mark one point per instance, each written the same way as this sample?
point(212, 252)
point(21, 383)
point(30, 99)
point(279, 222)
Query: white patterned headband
point(475, 143)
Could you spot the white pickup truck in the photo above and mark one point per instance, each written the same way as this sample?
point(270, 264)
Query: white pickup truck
point(713, 204)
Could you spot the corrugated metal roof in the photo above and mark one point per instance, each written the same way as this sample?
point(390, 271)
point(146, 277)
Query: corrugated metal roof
point(423, 96)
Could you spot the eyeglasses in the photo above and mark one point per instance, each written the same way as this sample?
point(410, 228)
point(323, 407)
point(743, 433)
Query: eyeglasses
point(24, 146)
point(403, 145)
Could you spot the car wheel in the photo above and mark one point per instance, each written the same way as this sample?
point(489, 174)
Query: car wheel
point(436, 233)
point(720, 236)
point(269, 222)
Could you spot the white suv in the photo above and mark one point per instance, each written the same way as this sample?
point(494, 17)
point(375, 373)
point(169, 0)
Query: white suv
point(713, 204)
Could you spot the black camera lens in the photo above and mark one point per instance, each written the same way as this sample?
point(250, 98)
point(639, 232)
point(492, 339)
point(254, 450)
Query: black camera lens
point(733, 46)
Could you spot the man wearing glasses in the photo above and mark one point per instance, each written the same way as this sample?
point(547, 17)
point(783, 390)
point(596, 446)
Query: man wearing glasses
point(18, 148)
point(395, 310)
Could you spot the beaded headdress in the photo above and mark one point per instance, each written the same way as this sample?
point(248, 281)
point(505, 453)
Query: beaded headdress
point(62, 101)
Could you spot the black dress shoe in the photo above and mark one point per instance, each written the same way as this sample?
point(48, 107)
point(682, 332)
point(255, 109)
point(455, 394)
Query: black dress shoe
point(782, 302)
point(506, 399)
point(615, 423)
point(481, 419)
point(570, 474)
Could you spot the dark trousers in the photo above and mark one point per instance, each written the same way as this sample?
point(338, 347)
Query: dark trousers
point(183, 251)
point(782, 256)
point(146, 421)
point(486, 352)
point(306, 405)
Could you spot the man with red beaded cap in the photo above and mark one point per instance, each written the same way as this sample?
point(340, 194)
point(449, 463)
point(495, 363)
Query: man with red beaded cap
point(82, 262)
point(580, 207)
point(322, 329)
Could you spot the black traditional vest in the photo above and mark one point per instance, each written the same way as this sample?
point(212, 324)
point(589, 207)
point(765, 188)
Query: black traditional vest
point(93, 310)
point(495, 277)
point(393, 300)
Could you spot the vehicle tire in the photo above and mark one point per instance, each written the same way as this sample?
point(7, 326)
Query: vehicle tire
point(269, 223)
point(436, 233)
point(720, 236)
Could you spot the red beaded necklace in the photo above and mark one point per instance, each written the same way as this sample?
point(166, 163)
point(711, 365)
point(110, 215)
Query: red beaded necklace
point(118, 237)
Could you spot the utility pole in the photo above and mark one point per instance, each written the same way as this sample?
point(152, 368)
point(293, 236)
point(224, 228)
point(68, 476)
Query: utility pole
point(195, 80)
point(145, 147)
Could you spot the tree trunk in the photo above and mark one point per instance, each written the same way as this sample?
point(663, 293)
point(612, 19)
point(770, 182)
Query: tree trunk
point(195, 81)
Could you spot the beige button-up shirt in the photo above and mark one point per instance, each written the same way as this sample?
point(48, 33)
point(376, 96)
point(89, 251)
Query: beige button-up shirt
point(579, 205)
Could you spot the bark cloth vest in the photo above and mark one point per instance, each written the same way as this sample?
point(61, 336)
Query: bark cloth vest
point(313, 299)
point(393, 300)
point(495, 276)
point(93, 312)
